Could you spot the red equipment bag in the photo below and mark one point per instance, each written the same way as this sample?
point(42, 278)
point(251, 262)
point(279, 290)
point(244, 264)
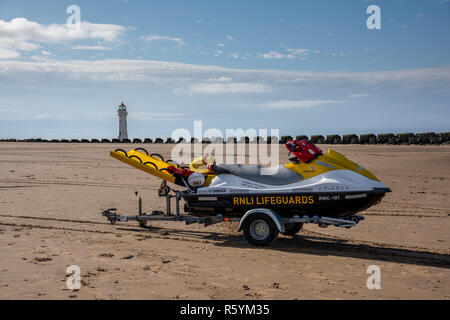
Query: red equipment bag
point(304, 151)
point(179, 172)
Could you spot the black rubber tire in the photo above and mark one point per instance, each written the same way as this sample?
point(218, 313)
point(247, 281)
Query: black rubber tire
point(272, 229)
point(294, 229)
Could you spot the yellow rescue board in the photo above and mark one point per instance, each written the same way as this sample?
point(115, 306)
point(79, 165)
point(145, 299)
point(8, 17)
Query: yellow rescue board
point(132, 158)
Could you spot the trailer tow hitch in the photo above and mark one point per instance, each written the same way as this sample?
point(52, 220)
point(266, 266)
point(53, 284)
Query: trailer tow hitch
point(111, 215)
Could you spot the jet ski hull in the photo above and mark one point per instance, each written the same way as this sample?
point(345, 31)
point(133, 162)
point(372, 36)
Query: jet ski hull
point(285, 204)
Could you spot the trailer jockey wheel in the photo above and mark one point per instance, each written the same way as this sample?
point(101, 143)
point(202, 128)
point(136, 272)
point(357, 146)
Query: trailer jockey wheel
point(291, 229)
point(259, 229)
point(143, 223)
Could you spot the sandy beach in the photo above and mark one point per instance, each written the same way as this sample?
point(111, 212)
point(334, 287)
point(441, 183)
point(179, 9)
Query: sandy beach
point(52, 195)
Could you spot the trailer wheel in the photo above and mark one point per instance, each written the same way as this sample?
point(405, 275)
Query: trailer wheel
point(259, 229)
point(292, 229)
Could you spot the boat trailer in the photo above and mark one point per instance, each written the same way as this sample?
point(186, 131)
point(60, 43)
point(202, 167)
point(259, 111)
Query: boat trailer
point(260, 225)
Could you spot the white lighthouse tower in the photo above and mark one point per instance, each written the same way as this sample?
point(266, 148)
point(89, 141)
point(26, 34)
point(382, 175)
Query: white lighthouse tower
point(122, 112)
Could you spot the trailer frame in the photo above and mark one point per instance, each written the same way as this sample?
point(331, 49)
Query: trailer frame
point(279, 222)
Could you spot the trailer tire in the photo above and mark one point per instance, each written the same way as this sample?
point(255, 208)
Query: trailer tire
point(259, 229)
point(292, 229)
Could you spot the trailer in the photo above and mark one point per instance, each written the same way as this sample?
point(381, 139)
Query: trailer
point(259, 225)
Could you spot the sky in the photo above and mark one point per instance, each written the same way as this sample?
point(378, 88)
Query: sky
point(303, 67)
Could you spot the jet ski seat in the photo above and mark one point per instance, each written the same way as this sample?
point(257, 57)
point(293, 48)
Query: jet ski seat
point(279, 175)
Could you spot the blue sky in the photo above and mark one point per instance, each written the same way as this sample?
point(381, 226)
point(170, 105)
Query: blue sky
point(304, 67)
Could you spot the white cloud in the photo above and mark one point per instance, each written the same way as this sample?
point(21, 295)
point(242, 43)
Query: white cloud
point(228, 87)
point(282, 104)
point(156, 37)
point(359, 95)
point(21, 28)
point(201, 21)
point(291, 53)
point(6, 53)
point(300, 51)
point(221, 79)
point(158, 116)
point(182, 75)
point(229, 37)
point(98, 47)
point(275, 55)
point(20, 35)
point(50, 116)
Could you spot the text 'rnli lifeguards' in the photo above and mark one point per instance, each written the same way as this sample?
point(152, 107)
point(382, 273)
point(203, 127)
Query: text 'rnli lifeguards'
point(272, 200)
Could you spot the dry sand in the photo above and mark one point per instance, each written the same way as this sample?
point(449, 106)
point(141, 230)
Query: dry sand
point(51, 196)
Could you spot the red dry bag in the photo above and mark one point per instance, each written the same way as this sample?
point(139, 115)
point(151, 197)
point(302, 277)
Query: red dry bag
point(304, 151)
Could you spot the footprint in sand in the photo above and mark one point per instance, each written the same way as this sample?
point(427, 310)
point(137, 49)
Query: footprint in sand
point(41, 259)
point(275, 285)
point(128, 257)
point(106, 255)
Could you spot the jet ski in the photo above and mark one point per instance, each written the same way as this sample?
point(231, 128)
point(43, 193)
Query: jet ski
point(311, 183)
point(313, 187)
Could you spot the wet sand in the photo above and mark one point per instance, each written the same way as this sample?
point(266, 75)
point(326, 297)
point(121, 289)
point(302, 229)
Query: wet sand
point(51, 197)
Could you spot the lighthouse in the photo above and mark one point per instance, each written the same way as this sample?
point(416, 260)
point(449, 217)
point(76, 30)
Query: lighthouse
point(122, 112)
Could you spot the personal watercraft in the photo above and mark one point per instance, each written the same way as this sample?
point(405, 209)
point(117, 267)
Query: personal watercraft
point(327, 189)
point(327, 185)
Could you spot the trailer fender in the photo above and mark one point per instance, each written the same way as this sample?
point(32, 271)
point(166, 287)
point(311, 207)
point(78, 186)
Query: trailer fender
point(272, 214)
